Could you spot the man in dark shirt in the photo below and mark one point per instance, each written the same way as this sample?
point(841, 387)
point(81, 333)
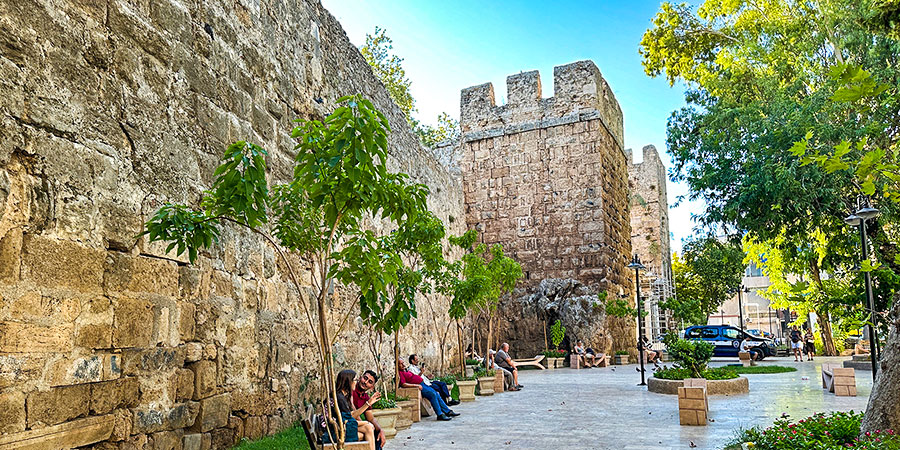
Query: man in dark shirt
point(503, 360)
point(796, 344)
point(361, 396)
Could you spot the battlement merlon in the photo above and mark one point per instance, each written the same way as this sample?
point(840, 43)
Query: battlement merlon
point(581, 93)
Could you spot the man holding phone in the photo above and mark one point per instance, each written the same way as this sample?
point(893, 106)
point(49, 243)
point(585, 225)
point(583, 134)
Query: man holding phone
point(416, 366)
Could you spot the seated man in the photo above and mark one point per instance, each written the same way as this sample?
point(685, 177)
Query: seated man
point(360, 397)
point(409, 380)
point(503, 360)
point(747, 345)
point(439, 386)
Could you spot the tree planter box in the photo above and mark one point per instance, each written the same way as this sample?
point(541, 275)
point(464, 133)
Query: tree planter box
point(621, 360)
point(387, 418)
point(466, 390)
point(498, 382)
point(486, 385)
point(405, 417)
point(470, 370)
point(734, 386)
point(555, 363)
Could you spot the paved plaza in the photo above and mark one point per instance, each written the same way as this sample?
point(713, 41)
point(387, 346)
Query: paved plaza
point(603, 408)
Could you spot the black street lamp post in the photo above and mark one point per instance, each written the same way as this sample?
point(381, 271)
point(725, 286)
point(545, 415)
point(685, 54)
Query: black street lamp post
point(637, 266)
point(859, 219)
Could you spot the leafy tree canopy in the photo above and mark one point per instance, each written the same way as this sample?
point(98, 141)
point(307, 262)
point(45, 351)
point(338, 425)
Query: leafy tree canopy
point(704, 279)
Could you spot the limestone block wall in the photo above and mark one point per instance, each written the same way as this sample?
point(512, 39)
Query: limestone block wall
point(547, 177)
point(107, 111)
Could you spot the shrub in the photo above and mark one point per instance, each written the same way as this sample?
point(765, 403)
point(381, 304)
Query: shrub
point(621, 352)
point(448, 379)
point(555, 353)
point(820, 431)
point(557, 333)
point(681, 373)
point(484, 373)
point(691, 355)
point(472, 362)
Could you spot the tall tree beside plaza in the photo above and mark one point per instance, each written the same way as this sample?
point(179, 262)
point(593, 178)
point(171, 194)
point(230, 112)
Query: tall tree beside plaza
point(761, 76)
point(388, 67)
point(710, 270)
point(757, 79)
point(340, 179)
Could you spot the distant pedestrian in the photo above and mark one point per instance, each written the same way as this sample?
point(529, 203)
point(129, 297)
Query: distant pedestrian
point(796, 344)
point(810, 344)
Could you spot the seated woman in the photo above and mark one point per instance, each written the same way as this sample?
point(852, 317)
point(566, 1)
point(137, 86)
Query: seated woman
point(344, 384)
point(588, 359)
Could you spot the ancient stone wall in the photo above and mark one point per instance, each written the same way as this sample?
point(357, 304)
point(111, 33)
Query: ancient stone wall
point(108, 110)
point(650, 233)
point(547, 178)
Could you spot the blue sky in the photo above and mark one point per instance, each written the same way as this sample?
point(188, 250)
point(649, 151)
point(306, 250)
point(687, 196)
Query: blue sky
point(448, 46)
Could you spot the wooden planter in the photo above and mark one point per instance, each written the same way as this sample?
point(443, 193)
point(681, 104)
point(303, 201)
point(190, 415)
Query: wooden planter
point(387, 418)
point(486, 385)
point(621, 359)
point(498, 382)
point(466, 390)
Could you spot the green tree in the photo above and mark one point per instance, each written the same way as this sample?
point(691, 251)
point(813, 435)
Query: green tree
point(711, 270)
point(479, 280)
point(340, 178)
point(388, 67)
point(686, 305)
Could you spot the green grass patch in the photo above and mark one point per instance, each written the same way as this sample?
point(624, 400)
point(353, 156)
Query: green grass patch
point(764, 369)
point(293, 438)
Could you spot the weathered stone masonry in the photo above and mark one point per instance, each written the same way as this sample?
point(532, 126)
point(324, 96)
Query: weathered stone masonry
point(108, 109)
point(650, 233)
point(547, 178)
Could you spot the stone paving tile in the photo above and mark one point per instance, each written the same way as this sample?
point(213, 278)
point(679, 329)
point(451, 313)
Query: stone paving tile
point(603, 408)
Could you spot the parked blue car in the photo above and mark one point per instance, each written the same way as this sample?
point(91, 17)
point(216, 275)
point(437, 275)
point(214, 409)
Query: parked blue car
point(727, 340)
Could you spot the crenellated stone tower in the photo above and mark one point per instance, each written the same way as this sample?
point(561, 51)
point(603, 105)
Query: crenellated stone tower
point(548, 179)
point(650, 234)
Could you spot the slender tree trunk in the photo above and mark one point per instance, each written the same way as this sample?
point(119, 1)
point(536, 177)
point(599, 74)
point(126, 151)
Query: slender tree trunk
point(462, 354)
point(396, 360)
point(827, 338)
point(546, 346)
point(883, 409)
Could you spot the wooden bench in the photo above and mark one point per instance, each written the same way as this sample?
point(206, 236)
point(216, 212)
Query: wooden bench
point(746, 359)
point(425, 409)
point(840, 380)
point(693, 405)
point(535, 362)
point(314, 441)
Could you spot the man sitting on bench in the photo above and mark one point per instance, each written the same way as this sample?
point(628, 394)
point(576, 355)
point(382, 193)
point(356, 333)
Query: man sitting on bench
point(411, 380)
point(360, 397)
point(503, 360)
point(439, 386)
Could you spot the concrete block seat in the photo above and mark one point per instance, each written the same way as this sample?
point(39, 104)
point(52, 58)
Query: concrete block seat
point(425, 408)
point(840, 380)
point(693, 405)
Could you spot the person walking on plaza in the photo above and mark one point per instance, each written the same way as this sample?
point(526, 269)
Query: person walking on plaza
point(810, 342)
point(796, 344)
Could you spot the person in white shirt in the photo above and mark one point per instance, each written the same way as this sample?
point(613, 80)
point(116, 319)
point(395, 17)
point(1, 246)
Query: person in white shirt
point(439, 386)
point(750, 347)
